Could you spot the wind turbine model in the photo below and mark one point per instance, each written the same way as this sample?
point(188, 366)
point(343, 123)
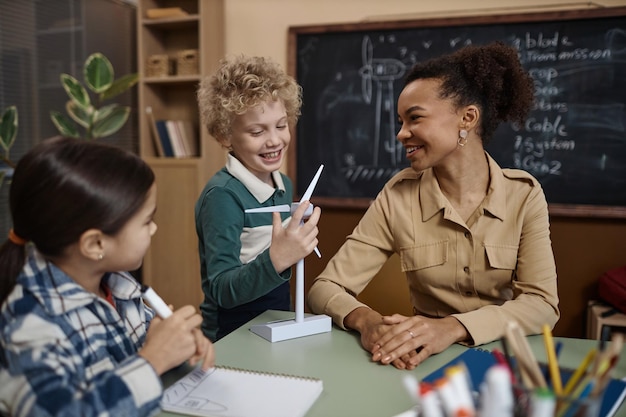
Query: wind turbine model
point(275, 331)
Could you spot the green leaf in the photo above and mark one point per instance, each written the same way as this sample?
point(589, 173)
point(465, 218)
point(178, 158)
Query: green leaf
point(81, 115)
point(104, 112)
point(75, 90)
point(119, 86)
point(8, 128)
point(98, 72)
point(111, 123)
point(99, 78)
point(64, 125)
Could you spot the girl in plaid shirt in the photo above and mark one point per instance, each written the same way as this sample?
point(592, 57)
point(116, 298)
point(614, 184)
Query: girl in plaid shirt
point(76, 338)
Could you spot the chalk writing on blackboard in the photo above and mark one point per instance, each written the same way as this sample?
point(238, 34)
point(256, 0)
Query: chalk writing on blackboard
point(574, 140)
point(382, 72)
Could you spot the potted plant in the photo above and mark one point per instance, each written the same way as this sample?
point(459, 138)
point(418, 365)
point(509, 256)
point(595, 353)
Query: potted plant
point(97, 122)
point(8, 133)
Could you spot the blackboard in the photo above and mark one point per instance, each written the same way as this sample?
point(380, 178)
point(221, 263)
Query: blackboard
point(574, 142)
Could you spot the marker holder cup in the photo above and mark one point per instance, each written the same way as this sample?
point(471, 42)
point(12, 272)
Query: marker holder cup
point(563, 406)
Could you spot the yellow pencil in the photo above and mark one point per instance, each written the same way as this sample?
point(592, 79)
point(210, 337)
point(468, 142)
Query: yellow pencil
point(580, 393)
point(553, 365)
point(582, 369)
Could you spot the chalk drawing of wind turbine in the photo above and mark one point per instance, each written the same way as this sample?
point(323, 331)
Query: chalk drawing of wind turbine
point(384, 71)
point(300, 326)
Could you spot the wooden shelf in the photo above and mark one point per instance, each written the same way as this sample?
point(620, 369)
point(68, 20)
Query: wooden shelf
point(172, 265)
point(173, 79)
point(155, 161)
point(172, 23)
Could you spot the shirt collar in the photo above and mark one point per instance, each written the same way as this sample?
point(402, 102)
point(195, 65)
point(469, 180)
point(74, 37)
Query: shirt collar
point(432, 199)
point(260, 190)
point(58, 293)
point(495, 202)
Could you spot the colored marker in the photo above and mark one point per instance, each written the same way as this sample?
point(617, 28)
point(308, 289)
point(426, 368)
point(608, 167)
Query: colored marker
point(430, 406)
point(542, 403)
point(155, 302)
point(412, 387)
point(497, 393)
point(459, 379)
point(452, 404)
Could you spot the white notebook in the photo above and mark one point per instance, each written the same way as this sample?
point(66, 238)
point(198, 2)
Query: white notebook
point(230, 392)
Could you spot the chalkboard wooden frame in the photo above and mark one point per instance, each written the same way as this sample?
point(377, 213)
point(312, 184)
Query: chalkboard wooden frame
point(298, 35)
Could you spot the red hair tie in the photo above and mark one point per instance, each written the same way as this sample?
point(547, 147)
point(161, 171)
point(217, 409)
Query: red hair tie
point(16, 239)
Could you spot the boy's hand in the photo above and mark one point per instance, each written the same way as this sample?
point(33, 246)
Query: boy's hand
point(297, 240)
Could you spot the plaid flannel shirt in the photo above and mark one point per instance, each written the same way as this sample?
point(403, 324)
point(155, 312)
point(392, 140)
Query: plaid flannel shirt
point(67, 352)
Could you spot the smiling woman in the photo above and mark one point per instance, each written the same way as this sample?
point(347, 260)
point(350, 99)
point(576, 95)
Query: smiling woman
point(473, 238)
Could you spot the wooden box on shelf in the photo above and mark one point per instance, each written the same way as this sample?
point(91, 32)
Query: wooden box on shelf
point(158, 65)
point(187, 62)
point(165, 12)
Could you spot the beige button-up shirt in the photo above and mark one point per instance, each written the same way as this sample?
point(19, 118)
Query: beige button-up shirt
point(496, 268)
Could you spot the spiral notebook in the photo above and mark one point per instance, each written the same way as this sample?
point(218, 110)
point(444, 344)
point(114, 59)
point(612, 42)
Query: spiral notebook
point(229, 392)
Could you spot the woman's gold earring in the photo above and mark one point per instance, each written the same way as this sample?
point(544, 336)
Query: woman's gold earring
point(101, 256)
point(462, 138)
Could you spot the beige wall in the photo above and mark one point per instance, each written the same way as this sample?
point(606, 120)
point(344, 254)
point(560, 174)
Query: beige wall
point(583, 248)
point(259, 27)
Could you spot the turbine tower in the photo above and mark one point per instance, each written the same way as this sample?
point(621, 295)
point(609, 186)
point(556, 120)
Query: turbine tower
point(300, 326)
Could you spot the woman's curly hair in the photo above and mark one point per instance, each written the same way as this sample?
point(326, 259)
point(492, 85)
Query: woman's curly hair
point(243, 82)
point(490, 76)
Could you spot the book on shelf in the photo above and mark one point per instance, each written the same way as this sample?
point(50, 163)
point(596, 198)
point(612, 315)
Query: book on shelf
point(226, 391)
point(183, 137)
point(164, 138)
point(156, 138)
point(190, 137)
point(173, 138)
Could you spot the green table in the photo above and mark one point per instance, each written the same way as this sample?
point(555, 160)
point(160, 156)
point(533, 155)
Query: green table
point(353, 385)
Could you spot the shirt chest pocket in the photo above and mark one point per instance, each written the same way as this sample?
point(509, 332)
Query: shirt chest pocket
point(501, 256)
point(427, 255)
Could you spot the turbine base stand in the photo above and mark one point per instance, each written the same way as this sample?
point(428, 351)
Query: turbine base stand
point(290, 329)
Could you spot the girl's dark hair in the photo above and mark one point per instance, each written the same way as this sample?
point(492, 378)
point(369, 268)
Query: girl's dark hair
point(63, 187)
point(489, 76)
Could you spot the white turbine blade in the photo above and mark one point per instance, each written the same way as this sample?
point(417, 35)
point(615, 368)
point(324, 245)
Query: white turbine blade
point(309, 191)
point(271, 209)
